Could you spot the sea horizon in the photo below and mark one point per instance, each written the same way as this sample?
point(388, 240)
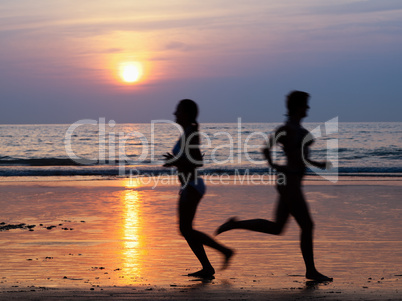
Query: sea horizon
point(110, 149)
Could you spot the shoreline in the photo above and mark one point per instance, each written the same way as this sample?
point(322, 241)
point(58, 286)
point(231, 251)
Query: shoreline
point(210, 179)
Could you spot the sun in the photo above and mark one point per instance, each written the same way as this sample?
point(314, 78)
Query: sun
point(130, 72)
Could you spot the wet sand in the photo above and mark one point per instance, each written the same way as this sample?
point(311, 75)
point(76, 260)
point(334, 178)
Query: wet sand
point(117, 240)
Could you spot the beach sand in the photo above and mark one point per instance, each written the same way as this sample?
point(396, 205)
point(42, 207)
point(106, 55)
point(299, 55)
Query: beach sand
point(118, 239)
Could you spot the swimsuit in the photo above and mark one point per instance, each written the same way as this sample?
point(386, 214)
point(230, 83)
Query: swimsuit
point(198, 183)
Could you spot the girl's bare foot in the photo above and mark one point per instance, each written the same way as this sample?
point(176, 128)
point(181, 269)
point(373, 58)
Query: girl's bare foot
point(228, 256)
point(316, 276)
point(204, 273)
point(226, 226)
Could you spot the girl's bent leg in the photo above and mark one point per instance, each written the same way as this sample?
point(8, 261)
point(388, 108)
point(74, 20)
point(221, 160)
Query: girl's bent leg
point(210, 242)
point(259, 225)
point(188, 203)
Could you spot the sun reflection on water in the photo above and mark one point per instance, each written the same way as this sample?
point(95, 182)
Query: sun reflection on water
point(133, 237)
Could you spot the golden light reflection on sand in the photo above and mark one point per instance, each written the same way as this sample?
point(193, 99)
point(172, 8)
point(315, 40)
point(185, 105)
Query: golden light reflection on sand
point(133, 237)
point(131, 182)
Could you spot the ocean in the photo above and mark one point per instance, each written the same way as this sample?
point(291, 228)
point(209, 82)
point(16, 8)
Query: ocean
point(105, 149)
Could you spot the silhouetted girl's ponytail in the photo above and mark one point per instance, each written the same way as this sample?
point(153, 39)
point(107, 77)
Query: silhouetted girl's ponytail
point(191, 108)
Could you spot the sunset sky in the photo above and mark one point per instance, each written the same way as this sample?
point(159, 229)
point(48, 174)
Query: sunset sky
point(63, 60)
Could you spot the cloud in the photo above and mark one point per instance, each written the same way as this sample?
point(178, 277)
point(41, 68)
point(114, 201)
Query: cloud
point(360, 7)
point(175, 45)
point(113, 50)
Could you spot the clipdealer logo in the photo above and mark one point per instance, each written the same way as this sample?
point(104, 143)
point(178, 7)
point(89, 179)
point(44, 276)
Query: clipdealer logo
point(112, 146)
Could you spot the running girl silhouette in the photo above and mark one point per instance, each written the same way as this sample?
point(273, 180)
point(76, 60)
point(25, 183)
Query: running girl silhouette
point(186, 157)
point(295, 141)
